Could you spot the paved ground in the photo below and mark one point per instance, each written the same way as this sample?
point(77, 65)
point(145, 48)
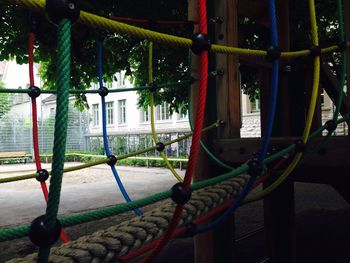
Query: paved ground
point(322, 216)
point(81, 190)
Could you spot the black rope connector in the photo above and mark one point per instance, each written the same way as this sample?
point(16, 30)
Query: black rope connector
point(216, 73)
point(42, 235)
point(200, 43)
point(273, 53)
point(62, 9)
point(103, 91)
point(33, 22)
point(216, 20)
point(42, 176)
point(342, 46)
point(255, 169)
point(152, 87)
point(315, 51)
point(112, 160)
point(300, 146)
point(34, 92)
point(160, 146)
point(179, 194)
point(331, 125)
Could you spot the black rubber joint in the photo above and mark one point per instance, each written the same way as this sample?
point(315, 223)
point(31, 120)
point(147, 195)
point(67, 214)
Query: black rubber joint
point(42, 176)
point(342, 46)
point(42, 235)
point(300, 146)
point(331, 125)
point(200, 43)
point(112, 160)
point(160, 146)
point(179, 194)
point(315, 51)
point(103, 91)
point(273, 53)
point(34, 92)
point(255, 169)
point(152, 87)
point(216, 73)
point(62, 9)
point(33, 22)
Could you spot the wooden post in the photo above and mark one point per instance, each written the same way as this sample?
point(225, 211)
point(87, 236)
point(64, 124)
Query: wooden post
point(279, 206)
point(217, 245)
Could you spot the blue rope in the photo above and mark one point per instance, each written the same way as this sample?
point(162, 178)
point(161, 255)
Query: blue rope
point(104, 130)
point(267, 134)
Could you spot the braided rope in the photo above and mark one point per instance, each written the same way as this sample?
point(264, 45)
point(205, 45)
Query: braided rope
point(114, 242)
point(118, 27)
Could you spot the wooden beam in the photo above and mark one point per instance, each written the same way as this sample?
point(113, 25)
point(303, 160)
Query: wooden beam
point(335, 154)
point(228, 88)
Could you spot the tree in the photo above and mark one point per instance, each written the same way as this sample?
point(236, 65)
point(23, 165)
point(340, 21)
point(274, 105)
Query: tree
point(120, 52)
point(125, 53)
point(5, 102)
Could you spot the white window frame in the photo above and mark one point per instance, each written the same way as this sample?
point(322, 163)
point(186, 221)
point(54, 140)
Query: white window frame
point(145, 115)
point(162, 112)
point(110, 112)
point(122, 112)
point(95, 115)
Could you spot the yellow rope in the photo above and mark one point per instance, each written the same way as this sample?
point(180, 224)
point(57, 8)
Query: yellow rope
point(122, 28)
point(154, 134)
point(310, 115)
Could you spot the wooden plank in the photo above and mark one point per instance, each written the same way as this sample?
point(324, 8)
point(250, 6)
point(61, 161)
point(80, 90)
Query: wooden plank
point(228, 88)
point(334, 154)
point(253, 9)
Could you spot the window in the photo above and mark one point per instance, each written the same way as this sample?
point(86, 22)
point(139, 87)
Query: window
point(322, 97)
point(52, 111)
point(95, 85)
point(183, 114)
point(255, 105)
point(163, 112)
point(95, 115)
point(122, 111)
point(110, 112)
point(145, 115)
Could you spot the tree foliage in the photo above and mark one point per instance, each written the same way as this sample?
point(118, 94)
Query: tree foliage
point(125, 53)
point(120, 51)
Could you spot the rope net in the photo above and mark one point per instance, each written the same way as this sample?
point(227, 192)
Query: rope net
point(220, 195)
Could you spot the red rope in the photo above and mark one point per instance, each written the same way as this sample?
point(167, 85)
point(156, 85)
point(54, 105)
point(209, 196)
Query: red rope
point(43, 185)
point(202, 219)
point(198, 125)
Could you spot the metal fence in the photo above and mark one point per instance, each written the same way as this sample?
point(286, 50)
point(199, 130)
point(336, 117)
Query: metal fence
point(16, 135)
point(16, 132)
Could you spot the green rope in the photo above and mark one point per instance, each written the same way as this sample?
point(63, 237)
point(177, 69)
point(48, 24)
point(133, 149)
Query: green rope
point(70, 220)
point(96, 91)
point(60, 135)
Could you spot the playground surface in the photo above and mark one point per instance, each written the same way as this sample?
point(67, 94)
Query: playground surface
point(81, 190)
point(321, 214)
